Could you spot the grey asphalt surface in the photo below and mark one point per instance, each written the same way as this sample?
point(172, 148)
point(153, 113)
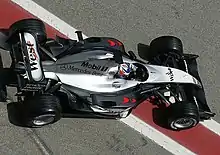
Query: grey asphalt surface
point(196, 22)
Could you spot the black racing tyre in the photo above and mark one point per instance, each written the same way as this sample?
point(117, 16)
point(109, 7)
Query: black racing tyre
point(182, 115)
point(41, 110)
point(164, 44)
point(34, 26)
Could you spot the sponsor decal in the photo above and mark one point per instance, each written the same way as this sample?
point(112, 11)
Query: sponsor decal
point(94, 66)
point(31, 51)
point(32, 55)
point(170, 74)
point(33, 87)
point(33, 58)
point(75, 69)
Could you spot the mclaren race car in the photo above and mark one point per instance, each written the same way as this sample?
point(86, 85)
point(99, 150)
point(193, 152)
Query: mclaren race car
point(95, 77)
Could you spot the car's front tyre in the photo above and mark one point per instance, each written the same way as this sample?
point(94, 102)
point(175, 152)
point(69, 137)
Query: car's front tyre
point(182, 115)
point(161, 46)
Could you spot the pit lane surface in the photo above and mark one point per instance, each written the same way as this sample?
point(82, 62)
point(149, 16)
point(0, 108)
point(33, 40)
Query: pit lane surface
point(130, 40)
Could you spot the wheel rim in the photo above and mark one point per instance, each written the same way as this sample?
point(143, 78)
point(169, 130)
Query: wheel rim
point(184, 122)
point(43, 119)
point(124, 113)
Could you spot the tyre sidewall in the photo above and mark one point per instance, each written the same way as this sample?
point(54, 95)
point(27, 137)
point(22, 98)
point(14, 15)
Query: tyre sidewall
point(182, 110)
point(34, 108)
point(172, 120)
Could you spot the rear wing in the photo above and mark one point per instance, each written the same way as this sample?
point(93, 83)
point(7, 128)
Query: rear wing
point(31, 57)
point(29, 49)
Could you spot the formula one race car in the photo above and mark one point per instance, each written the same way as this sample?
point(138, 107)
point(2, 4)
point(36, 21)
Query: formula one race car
point(96, 78)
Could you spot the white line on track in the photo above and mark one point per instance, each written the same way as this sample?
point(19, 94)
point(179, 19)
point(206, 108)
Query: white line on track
point(132, 121)
point(37, 140)
point(212, 125)
point(158, 137)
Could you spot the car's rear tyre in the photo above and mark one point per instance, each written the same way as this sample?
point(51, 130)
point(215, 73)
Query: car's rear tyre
point(41, 110)
point(34, 26)
point(182, 115)
point(164, 45)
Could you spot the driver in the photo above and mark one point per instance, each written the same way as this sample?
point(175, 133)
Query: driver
point(125, 70)
point(122, 71)
point(128, 71)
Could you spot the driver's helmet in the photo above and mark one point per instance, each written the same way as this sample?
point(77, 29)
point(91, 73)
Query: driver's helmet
point(124, 70)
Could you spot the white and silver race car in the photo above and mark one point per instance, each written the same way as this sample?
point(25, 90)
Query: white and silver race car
point(96, 78)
